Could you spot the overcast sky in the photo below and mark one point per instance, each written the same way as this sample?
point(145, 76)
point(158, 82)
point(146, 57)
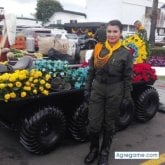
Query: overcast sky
point(25, 7)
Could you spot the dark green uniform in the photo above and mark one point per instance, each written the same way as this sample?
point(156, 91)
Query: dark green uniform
point(108, 86)
point(143, 34)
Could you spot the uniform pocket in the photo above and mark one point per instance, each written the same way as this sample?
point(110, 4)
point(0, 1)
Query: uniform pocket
point(115, 66)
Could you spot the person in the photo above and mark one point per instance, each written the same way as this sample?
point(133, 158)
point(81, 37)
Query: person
point(108, 82)
point(100, 34)
point(141, 31)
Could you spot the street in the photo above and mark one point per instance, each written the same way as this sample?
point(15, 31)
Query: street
point(148, 136)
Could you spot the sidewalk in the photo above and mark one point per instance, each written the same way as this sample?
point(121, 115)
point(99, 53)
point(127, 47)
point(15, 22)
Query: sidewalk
point(160, 86)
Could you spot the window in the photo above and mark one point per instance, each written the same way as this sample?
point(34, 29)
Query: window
point(73, 21)
point(131, 28)
point(59, 21)
point(125, 27)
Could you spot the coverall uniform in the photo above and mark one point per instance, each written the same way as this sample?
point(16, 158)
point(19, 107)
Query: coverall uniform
point(107, 85)
point(142, 34)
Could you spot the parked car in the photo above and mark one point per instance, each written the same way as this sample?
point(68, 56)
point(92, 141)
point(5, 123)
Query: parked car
point(160, 40)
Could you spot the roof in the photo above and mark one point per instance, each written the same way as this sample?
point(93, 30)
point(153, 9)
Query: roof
point(83, 24)
point(73, 12)
point(25, 18)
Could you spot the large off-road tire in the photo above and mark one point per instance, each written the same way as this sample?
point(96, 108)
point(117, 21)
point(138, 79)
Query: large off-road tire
point(78, 124)
point(125, 116)
point(146, 103)
point(43, 131)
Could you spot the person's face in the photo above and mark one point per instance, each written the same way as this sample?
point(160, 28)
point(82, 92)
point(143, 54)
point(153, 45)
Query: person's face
point(137, 26)
point(113, 34)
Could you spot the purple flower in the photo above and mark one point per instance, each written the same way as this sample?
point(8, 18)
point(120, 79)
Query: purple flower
point(156, 61)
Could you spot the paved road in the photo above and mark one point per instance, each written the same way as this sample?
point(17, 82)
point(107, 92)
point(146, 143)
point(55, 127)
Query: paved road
point(137, 137)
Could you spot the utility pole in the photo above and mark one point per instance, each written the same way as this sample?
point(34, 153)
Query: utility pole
point(153, 22)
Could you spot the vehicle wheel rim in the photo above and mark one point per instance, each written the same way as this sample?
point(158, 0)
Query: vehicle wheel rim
point(48, 133)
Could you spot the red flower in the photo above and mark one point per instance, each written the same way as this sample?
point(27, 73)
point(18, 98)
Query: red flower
point(143, 72)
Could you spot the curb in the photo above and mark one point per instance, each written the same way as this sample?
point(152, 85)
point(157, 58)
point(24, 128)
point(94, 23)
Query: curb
point(161, 108)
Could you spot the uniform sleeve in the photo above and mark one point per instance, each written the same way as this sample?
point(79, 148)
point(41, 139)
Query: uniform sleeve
point(91, 75)
point(128, 73)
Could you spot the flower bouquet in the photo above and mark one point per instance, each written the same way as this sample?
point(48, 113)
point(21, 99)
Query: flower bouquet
point(143, 73)
point(62, 74)
point(137, 47)
point(23, 83)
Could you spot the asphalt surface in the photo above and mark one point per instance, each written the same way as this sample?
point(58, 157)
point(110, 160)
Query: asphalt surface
point(149, 136)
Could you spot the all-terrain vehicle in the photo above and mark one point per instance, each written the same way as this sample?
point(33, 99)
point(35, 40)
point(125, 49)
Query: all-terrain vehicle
point(44, 121)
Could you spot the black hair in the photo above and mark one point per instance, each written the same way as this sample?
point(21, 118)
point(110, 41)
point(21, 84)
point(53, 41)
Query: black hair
point(116, 23)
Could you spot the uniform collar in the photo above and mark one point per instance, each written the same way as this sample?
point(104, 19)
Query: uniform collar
point(115, 47)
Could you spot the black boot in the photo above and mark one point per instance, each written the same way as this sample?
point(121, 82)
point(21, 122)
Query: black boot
point(107, 141)
point(94, 148)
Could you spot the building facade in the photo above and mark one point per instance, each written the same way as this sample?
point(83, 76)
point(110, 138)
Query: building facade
point(127, 11)
point(66, 16)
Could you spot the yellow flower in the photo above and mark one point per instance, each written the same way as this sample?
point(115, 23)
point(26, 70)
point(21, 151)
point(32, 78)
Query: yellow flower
point(2, 86)
point(22, 76)
point(35, 81)
point(32, 85)
point(41, 88)
point(35, 91)
point(42, 82)
point(36, 75)
point(7, 96)
point(39, 73)
point(10, 85)
point(31, 79)
point(24, 72)
point(4, 77)
point(47, 85)
point(27, 83)
point(27, 88)
point(47, 77)
point(12, 79)
point(23, 94)
point(45, 92)
point(32, 72)
point(18, 84)
point(12, 95)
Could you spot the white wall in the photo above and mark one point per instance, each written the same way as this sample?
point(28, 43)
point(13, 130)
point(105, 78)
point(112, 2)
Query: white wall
point(125, 10)
point(65, 18)
point(103, 11)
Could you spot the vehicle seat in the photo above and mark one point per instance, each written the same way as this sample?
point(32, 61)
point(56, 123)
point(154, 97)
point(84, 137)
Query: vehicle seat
point(25, 62)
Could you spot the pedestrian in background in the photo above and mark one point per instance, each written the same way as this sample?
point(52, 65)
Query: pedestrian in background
point(141, 31)
point(108, 82)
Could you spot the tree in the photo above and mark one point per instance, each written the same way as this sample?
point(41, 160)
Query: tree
point(46, 8)
point(153, 22)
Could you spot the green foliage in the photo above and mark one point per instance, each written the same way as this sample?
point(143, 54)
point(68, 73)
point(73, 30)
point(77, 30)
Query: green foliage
point(158, 51)
point(46, 8)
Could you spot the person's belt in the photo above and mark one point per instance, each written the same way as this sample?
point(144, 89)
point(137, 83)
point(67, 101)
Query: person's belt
point(108, 80)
